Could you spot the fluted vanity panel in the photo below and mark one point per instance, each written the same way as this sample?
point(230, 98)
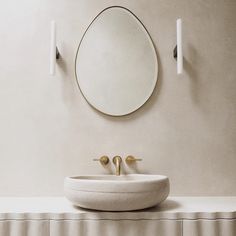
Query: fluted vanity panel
point(115, 227)
point(221, 227)
point(24, 228)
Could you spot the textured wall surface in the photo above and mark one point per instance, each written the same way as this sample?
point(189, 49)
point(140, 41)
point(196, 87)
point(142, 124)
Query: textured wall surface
point(186, 131)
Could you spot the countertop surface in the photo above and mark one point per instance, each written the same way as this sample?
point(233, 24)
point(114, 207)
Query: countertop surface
point(174, 208)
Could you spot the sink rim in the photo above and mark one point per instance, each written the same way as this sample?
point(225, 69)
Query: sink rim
point(130, 183)
point(121, 178)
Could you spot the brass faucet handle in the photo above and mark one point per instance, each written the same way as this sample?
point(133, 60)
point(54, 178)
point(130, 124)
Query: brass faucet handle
point(131, 159)
point(104, 160)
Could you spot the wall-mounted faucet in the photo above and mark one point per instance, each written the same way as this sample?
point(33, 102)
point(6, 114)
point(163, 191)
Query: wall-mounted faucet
point(117, 161)
point(104, 160)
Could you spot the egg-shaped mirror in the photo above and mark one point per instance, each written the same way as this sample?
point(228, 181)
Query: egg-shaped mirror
point(116, 63)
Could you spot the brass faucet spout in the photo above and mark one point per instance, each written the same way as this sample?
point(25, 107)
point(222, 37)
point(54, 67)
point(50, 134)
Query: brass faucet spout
point(117, 161)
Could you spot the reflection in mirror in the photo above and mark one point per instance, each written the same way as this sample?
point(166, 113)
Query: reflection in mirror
point(116, 63)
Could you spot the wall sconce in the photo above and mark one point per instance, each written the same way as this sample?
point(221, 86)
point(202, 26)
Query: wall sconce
point(54, 53)
point(178, 51)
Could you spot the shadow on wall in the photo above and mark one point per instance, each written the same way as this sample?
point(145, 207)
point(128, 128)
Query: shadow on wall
point(191, 67)
point(66, 70)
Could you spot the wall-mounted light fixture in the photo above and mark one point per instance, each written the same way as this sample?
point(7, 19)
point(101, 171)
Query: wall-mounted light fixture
point(178, 51)
point(54, 53)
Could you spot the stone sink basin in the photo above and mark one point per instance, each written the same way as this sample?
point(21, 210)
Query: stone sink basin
point(116, 193)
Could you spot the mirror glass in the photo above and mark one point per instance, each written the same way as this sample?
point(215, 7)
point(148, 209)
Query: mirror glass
point(116, 63)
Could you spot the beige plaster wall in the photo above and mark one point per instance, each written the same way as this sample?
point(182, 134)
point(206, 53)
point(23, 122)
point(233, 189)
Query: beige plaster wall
point(186, 131)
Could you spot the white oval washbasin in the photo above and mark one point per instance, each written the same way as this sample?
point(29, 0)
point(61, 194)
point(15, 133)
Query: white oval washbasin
point(116, 193)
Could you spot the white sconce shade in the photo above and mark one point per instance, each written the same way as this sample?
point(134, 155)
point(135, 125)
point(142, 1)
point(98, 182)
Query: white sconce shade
point(179, 46)
point(54, 54)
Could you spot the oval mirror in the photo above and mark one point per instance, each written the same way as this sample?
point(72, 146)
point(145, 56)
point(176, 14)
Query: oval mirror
point(116, 63)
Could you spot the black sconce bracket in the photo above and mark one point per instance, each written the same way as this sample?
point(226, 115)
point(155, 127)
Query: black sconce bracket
point(57, 54)
point(175, 53)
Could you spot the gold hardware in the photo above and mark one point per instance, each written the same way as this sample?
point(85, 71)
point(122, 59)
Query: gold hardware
point(131, 159)
point(117, 160)
point(104, 160)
